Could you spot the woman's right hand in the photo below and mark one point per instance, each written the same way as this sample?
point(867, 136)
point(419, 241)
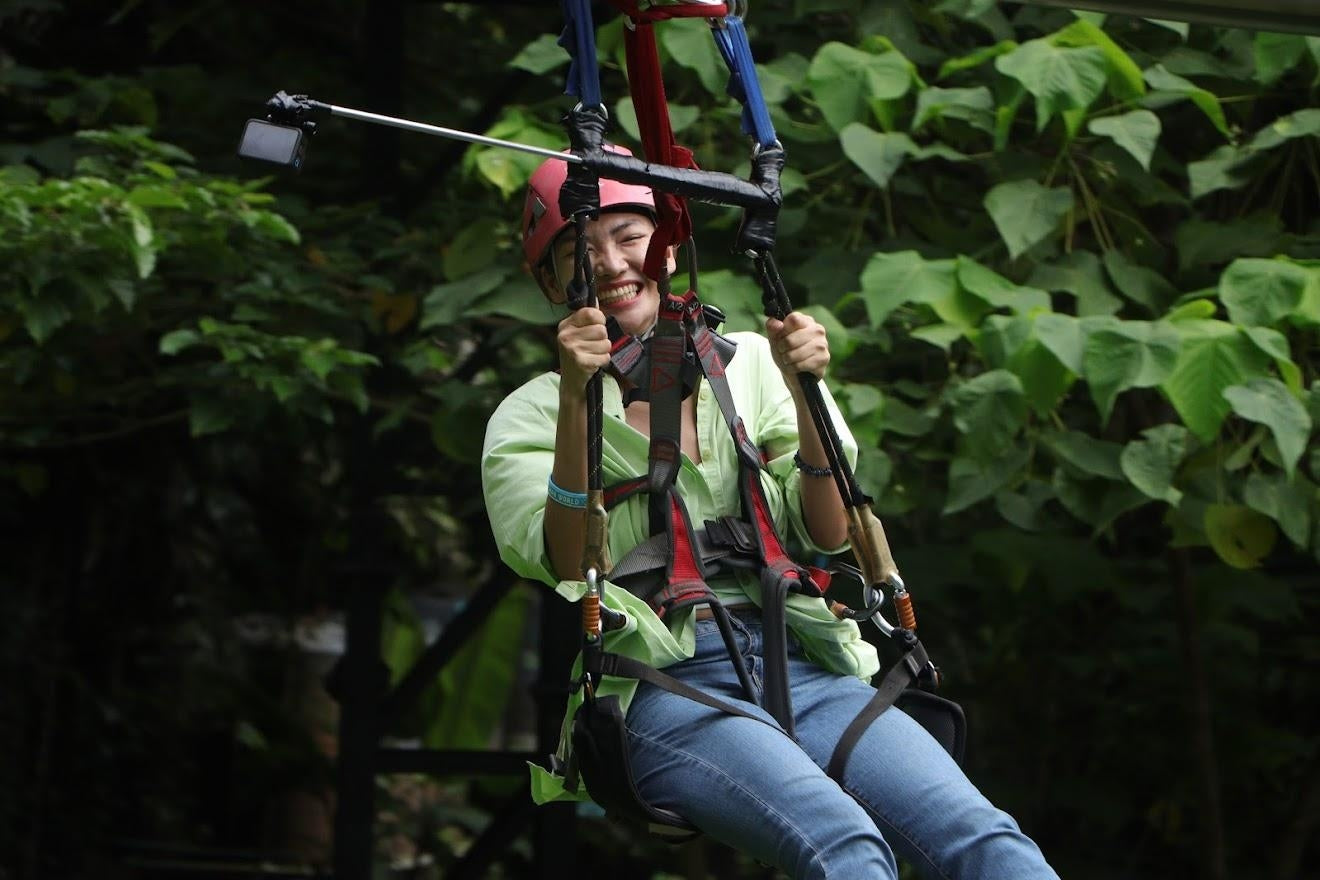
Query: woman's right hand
point(584, 347)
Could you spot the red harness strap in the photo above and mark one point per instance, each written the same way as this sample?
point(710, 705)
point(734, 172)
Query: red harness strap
point(674, 225)
point(660, 11)
point(681, 331)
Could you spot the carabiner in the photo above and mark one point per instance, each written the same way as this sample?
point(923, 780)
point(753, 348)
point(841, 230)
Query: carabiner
point(872, 597)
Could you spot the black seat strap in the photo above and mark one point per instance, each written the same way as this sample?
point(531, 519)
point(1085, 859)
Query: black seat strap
point(899, 677)
point(626, 667)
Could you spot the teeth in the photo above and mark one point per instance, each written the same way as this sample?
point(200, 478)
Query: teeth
point(626, 292)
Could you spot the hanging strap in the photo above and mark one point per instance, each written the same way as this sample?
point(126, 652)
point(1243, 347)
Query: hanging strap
point(907, 671)
point(673, 223)
point(579, 40)
point(744, 85)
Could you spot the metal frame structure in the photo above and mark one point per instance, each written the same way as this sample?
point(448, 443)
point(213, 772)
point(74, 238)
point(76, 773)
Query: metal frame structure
point(1297, 16)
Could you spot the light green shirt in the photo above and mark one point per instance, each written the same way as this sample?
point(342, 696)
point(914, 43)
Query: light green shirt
point(516, 461)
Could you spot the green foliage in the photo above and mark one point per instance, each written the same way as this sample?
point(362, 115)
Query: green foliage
point(1085, 305)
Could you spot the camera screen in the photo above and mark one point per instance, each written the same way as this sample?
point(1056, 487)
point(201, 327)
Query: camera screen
point(268, 142)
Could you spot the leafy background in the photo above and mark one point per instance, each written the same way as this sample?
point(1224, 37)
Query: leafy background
point(1070, 265)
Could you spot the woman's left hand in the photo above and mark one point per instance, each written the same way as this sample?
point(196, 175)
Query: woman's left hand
point(799, 345)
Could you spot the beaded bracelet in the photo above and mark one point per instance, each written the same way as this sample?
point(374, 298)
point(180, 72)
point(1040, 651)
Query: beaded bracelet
point(810, 469)
point(565, 498)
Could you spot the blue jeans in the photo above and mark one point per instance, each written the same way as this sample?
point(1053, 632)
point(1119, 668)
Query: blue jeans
point(749, 786)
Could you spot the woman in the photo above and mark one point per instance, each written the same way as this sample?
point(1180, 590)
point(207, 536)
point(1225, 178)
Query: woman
point(739, 780)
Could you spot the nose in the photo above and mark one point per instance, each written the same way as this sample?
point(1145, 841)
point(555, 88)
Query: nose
point(609, 260)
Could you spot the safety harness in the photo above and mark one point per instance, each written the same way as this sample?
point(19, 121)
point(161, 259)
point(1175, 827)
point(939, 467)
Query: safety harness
point(671, 570)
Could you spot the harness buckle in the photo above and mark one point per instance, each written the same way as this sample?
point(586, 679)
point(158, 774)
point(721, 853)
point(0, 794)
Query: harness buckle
point(731, 532)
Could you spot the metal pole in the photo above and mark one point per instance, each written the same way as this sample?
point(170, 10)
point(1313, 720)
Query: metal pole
point(456, 134)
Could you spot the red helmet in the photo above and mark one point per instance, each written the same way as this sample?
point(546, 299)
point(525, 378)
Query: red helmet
point(542, 222)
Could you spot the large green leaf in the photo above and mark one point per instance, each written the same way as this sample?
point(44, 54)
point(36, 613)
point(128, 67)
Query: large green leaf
point(1026, 508)
point(891, 279)
point(517, 298)
point(1044, 378)
point(1081, 274)
point(879, 155)
point(1089, 455)
point(1026, 213)
point(1233, 167)
point(1127, 354)
point(876, 153)
point(541, 55)
point(1124, 75)
point(44, 315)
point(1138, 283)
point(737, 295)
point(476, 247)
point(1095, 502)
point(901, 418)
point(1208, 243)
point(1262, 292)
point(177, 340)
point(845, 81)
point(1213, 356)
point(1064, 336)
point(209, 414)
point(1241, 536)
point(1136, 131)
point(1287, 501)
point(1151, 462)
point(1275, 55)
point(688, 41)
point(975, 106)
point(990, 409)
point(942, 336)
point(961, 309)
point(1059, 78)
point(1225, 168)
point(477, 684)
point(973, 479)
point(782, 77)
point(1269, 402)
point(1275, 344)
point(1300, 124)
point(1000, 336)
point(508, 169)
point(1171, 85)
point(447, 303)
point(997, 290)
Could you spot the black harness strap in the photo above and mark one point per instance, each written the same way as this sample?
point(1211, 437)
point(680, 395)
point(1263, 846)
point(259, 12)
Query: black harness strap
point(900, 676)
point(626, 667)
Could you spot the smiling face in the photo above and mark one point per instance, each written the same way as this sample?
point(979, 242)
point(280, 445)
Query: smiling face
point(616, 245)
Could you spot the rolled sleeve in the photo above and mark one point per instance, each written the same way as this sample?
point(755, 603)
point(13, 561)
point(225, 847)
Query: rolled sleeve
point(777, 432)
point(516, 462)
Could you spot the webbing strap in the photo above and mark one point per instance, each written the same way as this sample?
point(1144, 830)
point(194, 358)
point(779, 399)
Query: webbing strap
point(754, 503)
point(674, 225)
point(579, 40)
point(744, 86)
point(776, 582)
point(899, 677)
point(713, 367)
point(626, 667)
point(668, 345)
